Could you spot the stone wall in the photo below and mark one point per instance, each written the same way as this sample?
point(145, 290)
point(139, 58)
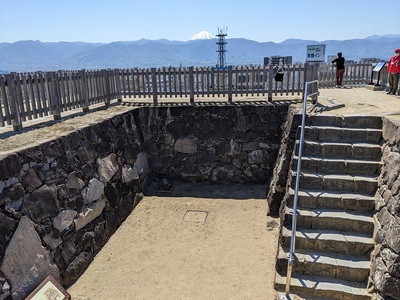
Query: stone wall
point(385, 269)
point(224, 144)
point(61, 201)
point(281, 173)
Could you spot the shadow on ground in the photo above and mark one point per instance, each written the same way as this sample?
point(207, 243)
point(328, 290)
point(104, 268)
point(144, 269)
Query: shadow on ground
point(209, 190)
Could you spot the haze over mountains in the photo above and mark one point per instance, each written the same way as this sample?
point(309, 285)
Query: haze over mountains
point(24, 56)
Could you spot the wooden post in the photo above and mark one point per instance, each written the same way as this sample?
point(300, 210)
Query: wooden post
point(118, 84)
point(84, 89)
point(270, 78)
point(191, 85)
point(3, 116)
point(230, 84)
point(19, 96)
point(54, 99)
point(107, 101)
point(306, 77)
point(314, 88)
point(154, 85)
point(310, 74)
point(164, 80)
point(28, 99)
point(15, 114)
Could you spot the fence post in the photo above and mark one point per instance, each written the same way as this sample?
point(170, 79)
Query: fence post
point(230, 74)
point(84, 90)
point(314, 88)
point(191, 85)
point(54, 99)
point(270, 78)
point(118, 84)
point(108, 89)
point(311, 73)
point(306, 77)
point(154, 85)
point(15, 114)
point(3, 102)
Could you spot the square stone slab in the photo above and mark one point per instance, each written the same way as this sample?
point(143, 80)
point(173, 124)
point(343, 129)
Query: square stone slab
point(198, 216)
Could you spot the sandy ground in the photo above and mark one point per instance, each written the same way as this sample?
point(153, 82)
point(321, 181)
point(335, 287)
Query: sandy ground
point(359, 100)
point(201, 241)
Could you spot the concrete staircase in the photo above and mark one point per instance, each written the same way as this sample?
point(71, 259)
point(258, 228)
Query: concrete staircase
point(340, 165)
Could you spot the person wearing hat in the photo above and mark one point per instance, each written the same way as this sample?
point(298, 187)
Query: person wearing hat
point(394, 72)
point(339, 69)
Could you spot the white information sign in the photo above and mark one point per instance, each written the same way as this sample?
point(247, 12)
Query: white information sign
point(316, 53)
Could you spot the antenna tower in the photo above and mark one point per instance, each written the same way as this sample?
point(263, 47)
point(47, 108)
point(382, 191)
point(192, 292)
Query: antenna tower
point(222, 33)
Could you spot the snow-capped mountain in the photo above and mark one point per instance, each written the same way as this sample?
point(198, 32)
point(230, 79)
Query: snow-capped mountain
point(202, 35)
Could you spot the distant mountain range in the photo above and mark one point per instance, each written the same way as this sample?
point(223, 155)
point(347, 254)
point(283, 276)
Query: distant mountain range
point(24, 56)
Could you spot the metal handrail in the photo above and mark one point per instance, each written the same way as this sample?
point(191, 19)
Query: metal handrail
point(296, 192)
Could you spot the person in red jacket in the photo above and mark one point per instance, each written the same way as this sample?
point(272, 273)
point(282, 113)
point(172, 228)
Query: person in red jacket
point(394, 72)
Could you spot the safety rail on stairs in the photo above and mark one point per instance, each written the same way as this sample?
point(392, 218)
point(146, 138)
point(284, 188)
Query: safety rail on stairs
point(313, 95)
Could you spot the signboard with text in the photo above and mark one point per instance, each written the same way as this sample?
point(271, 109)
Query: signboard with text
point(316, 53)
point(379, 66)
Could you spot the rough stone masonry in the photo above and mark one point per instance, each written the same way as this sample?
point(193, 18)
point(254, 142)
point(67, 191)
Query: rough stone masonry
point(61, 201)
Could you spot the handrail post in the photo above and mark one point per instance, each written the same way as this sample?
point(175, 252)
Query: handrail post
point(296, 192)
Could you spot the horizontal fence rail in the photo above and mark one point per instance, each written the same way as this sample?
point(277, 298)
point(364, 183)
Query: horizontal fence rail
point(34, 95)
point(354, 74)
point(211, 82)
point(27, 96)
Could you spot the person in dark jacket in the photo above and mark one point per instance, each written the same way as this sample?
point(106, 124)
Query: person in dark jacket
point(339, 69)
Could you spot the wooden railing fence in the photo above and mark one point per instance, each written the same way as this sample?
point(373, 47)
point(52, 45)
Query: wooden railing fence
point(355, 74)
point(27, 96)
point(210, 82)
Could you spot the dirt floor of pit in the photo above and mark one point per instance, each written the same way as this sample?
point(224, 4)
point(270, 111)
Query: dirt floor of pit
point(200, 241)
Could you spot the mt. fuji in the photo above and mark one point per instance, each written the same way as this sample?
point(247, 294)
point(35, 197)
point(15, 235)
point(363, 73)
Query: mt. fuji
point(202, 35)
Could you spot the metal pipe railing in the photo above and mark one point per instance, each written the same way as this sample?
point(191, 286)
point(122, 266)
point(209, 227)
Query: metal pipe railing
point(296, 192)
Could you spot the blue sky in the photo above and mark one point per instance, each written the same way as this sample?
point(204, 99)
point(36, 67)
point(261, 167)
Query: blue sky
point(131, 20)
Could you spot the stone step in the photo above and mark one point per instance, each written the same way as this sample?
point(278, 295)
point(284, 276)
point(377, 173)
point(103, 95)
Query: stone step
point(338, 166)
point(331, 219)
point(346, 121)
point(363, 151)
point(336, 134)
point(344, 183)
point(316, 287)
point(332, 199)
point(347, 243)
point(322, 264)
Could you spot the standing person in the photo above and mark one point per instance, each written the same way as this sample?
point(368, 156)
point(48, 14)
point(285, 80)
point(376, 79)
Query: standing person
point(394, 72)
point(339, 69)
